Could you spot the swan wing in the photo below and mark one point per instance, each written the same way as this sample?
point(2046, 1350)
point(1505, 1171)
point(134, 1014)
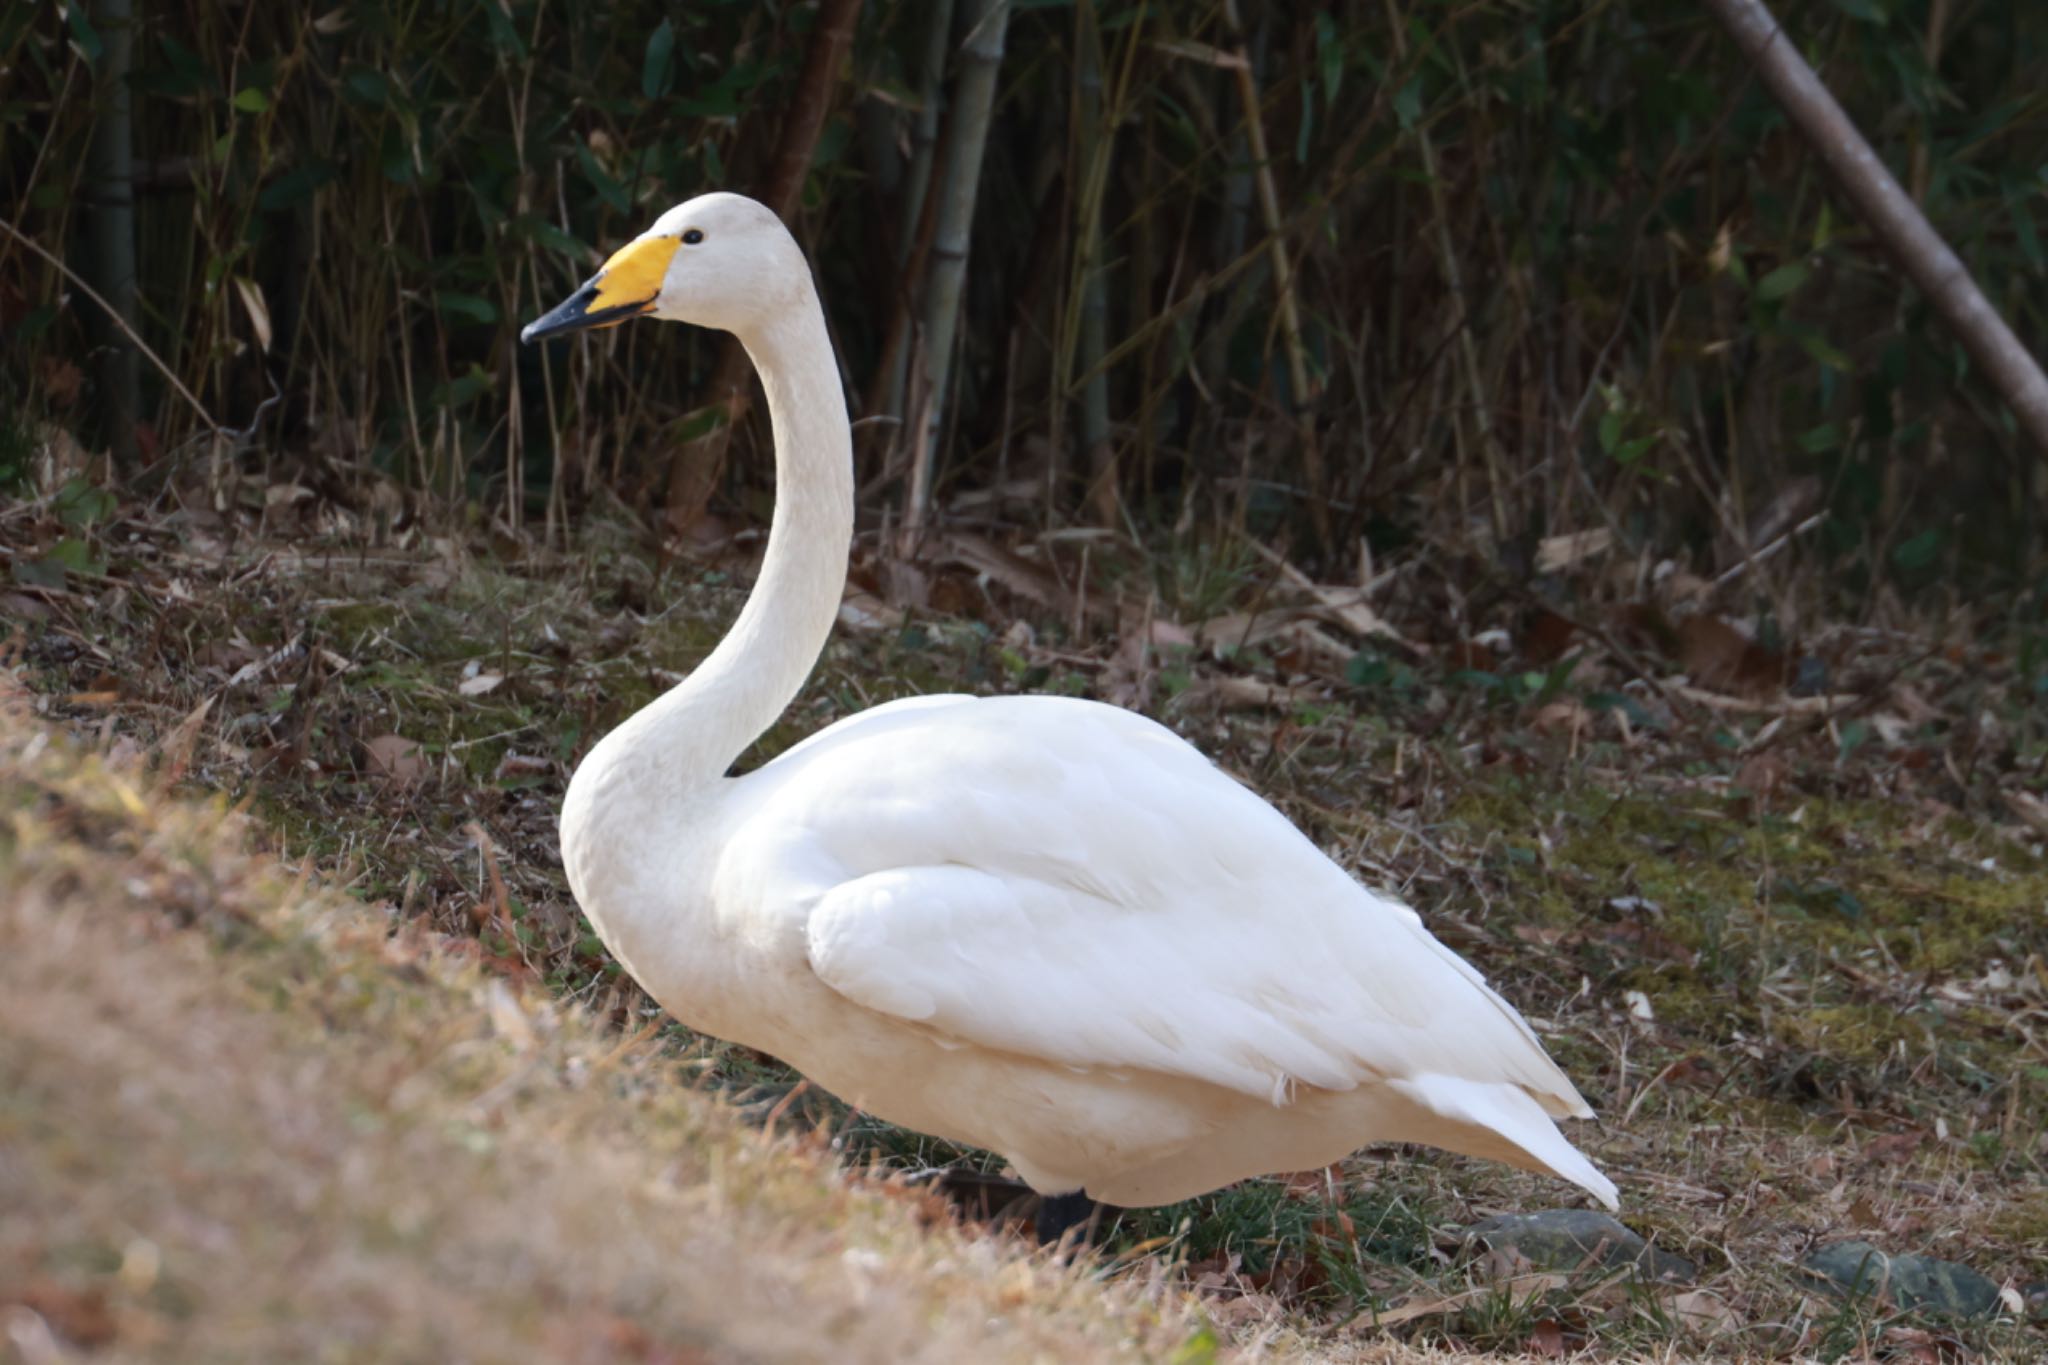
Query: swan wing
point(1072, 881)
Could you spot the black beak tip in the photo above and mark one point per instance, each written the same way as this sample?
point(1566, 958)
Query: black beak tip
point(576, 315)
point(572, 315)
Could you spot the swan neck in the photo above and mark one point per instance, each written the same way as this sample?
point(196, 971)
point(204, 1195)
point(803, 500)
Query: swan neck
point(700, 726)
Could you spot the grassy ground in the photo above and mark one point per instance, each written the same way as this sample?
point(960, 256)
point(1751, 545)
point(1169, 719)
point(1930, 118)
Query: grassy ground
point(244, 1119)
point(1792, 948)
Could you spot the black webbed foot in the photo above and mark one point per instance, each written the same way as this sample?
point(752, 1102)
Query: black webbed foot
point(1059, 1214)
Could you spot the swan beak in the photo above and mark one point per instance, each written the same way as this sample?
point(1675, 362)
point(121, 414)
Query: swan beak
point(626, 286)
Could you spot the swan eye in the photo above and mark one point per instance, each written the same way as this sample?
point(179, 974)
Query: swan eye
point(693, 236)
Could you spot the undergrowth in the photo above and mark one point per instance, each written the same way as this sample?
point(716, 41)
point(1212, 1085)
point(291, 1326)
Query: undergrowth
point(1795, 976)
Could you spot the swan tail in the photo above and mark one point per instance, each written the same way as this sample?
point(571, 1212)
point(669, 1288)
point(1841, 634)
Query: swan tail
point(1502, 1122)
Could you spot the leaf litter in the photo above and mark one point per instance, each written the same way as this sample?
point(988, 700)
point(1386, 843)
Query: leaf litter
point(1775, 903)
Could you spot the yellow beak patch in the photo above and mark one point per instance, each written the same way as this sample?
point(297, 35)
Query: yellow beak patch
point(631, 280)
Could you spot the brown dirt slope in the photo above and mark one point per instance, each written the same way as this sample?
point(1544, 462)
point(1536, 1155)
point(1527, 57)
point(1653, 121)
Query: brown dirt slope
point(240, 1119)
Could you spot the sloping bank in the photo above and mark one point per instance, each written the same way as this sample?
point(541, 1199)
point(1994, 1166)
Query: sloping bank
point(240, 1119)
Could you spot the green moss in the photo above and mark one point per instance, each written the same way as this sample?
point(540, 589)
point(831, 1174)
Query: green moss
point(2024, 1223)
point(1867, 1034)
point(352, 621)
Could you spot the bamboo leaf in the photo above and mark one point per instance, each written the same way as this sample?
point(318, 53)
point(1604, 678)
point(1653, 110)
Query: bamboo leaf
point(369, 86)
point(1824, 351)
point(1408, 103)
point(295, 186)
point(657, 69)
point(472, 307)
point(1782, 282)
point(607, 185)
point(1330, 56)
point(83, 34)
point(503, 36)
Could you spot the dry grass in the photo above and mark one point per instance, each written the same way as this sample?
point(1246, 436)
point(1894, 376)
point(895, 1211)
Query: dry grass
point(244, 1120)
point(1831, 917)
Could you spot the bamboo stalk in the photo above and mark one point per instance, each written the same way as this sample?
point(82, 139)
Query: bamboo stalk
point(1454, 284)
point(924, 137)
point(111, 173)
point(1897, 221)
point(699, 464)
point(887, 390)
point(974, 93)
point(1300, 394)
point(1093, 153)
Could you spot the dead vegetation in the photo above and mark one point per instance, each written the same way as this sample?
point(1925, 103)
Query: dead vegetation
point(1774, 902)
point(246, 1119)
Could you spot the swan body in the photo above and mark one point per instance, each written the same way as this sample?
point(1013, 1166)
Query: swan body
point(1043, 926)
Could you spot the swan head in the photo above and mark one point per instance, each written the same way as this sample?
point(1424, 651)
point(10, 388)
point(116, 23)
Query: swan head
point(719, 260)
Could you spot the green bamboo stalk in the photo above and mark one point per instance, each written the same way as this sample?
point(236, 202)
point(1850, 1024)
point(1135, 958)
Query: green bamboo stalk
point(1283, 276)
point(974, 97)
point(1454, 283)
point(1093, 153)
point(911, 242)
point(111, 225)
point(924, 136)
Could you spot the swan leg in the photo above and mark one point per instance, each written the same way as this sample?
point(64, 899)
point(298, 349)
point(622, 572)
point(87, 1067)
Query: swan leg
point(1059, 1214)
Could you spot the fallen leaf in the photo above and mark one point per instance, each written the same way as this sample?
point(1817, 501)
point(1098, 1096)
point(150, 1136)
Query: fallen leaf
point(508, 1019)
point(61, 381)
point(1761, 775)
point(1171, 633)
point(1704, 1312)
point(175, 752)
point(516, 764)
point(1235, 693)
point(1518, 1289)
point(2029, 808)
point(20, 607)
point(1717, 655)
point(1547, 637)
point(79, 1316)
point(862, 610)
point(251, 294)
point(1893, 1146)
point(480, 684)
point(1021, 576)
point(395, 759)
point(1561, 552)
point(1561, 717)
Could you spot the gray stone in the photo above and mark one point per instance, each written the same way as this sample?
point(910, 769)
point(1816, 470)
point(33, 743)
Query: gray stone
point(1909, 1281)
point(1572, 1239)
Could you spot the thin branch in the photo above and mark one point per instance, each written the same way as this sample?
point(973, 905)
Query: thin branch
point(1895, 218)
point(68, 273)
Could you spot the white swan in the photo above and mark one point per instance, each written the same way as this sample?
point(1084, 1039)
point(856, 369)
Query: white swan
point(1038, 925)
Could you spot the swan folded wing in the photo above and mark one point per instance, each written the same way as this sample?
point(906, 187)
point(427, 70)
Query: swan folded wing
point(1073, 882)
